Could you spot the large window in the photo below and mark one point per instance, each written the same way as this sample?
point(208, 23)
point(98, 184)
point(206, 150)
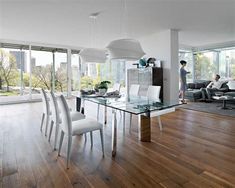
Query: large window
point(205, 66)
point(76, 69)
point(14, 71)
point(227, 63)
point(93, 73)
point(24, 69)
point(217, 61)
point(21, 77)
point(61, 82)
point(41, 66)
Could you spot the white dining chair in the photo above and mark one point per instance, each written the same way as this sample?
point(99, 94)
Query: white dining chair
point(73, 128)
point(133, 92)
point(56, 119)
point(153, 93)
point(117, 87)
point(46, 110)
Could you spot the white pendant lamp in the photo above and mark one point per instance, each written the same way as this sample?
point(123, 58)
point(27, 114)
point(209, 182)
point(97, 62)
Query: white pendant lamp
point(127, 49)
point(93, 55)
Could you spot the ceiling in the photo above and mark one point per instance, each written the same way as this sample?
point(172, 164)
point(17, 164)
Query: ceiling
point(67, 22)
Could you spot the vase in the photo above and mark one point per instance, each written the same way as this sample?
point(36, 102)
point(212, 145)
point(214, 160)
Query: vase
point(102, 91)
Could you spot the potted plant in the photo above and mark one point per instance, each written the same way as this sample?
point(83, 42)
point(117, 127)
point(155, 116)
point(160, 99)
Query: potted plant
point(102, 87)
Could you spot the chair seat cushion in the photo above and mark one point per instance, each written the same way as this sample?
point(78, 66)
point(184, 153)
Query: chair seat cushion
point(193, 93)
point(77, 116)
point(85, 125)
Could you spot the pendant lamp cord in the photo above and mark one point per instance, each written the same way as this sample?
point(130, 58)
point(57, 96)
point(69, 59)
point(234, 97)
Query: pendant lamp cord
point(123, 31)
point(125, 17)
point(92, 26)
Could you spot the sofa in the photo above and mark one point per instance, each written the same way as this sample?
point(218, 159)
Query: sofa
point(194, 93)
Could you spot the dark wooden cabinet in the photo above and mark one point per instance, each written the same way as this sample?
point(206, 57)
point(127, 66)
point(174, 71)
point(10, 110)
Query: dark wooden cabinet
point(157, 79)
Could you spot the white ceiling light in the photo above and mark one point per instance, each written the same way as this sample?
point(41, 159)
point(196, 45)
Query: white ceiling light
point(127, 49)
point(93, 55)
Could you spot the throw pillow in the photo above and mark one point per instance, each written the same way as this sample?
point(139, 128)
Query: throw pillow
point(191, 85)
point(231, 84)
point(199, 85)
point(206, 83)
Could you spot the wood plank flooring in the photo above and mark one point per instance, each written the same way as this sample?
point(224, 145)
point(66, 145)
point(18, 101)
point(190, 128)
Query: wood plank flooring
point(194, 150)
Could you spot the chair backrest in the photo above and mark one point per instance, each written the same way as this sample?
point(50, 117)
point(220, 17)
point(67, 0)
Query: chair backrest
point(153, 93)
point(66, 124)
point(134, 90)
point(116, 87)
point(54, 108)
point(46, 106)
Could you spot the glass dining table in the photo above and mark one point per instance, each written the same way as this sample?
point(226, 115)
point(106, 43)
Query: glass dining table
point(141, 106)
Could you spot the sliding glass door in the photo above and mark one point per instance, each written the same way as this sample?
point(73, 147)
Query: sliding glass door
point(42, 71)
point(14, 74)
point(25, 69)
point(60, 79)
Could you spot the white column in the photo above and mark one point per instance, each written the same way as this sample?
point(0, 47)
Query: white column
point(53, 71)
point(164, 46)
point(69, 73)
point(174, 66)
point(30, 73)
point(21, 73)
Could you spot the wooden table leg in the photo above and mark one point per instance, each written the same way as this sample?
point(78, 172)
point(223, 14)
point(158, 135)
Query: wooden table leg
point(145, 128)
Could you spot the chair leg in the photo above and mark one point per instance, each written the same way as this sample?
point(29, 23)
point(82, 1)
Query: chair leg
point(51, 128)
point(120, 113)
point(56, 136)
point(105, 115)
point(85, 137)
point(69, 150)
point(61, 141)
point(43, 117)
point(159, 122)
point(124, 122)
point(130, 123)
point(47, 122)
point(102, 140)
point(98, 112)
point(91, 139)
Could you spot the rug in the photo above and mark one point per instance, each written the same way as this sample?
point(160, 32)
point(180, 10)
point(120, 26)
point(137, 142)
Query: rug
point(213, 107)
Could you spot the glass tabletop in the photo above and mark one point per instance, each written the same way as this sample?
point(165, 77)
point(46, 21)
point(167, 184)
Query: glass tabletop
point(133, 104)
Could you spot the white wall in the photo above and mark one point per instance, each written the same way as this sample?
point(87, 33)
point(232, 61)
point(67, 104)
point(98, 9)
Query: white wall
point(164, 46)
point(1, 18)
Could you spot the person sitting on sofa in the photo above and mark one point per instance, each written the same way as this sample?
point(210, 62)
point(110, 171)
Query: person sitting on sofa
point(212, 88)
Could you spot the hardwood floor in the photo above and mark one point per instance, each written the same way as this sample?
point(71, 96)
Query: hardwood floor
point(194, 150)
